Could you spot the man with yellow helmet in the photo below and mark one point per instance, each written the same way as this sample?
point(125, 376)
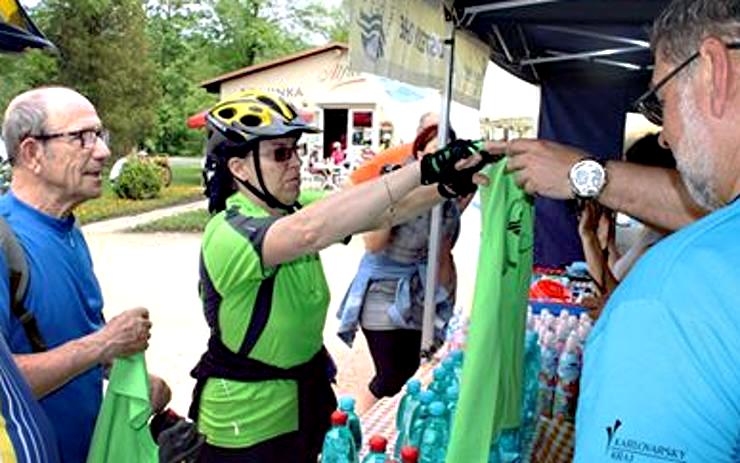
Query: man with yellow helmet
point(263, 390)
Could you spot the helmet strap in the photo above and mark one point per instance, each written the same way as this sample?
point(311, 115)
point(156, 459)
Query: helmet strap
point(264, 194)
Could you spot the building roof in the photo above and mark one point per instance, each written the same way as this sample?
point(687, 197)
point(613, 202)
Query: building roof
point(213, 85)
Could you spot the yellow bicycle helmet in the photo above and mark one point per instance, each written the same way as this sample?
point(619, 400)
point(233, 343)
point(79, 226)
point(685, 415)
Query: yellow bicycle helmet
point(235, 126)
point(253, 115)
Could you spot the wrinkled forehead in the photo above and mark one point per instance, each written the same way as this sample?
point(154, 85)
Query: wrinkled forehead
point(70, 111)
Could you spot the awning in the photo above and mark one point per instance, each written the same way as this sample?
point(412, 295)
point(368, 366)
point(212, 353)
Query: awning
point(17, 32)
point(591, 59)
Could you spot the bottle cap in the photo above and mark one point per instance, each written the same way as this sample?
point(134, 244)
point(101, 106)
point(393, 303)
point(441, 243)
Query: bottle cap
point(413, 385)
point(338, 418)
point(409, 454)
point(378, 443)
point(426, 397)
point(346, 403)
point(437, 409)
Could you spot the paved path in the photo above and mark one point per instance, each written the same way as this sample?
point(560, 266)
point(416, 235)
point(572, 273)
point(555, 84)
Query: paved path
point(159, 271)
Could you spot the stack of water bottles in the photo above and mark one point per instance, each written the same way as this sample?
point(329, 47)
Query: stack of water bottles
point(561, 341)
point(343, 442)
point(425, 417)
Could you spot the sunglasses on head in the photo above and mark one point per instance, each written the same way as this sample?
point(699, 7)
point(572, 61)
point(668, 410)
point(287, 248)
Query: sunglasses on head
point(650, 106)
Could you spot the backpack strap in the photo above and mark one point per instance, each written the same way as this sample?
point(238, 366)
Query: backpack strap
point(15, 258)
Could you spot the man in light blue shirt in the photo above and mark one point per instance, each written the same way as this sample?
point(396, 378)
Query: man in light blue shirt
point(661, 378)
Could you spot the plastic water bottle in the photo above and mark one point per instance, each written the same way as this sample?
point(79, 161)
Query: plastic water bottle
point(439, 384)
point(451, 396)
point(419, 419)
point(548, 375)
point(409, 454)
point(457, 357)
point(347, 405)
point(435, 436)
point(448, 365)
point(339, 447)
point(377, 450)
point(566, 391)
point(408, 403)
point(530, 383)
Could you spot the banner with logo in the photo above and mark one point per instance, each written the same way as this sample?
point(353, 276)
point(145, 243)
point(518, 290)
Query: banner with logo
point(405, 41)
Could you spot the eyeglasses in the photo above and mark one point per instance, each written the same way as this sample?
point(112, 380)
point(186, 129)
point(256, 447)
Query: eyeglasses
point(87, 137)
point(284, 153)
point(650, 106)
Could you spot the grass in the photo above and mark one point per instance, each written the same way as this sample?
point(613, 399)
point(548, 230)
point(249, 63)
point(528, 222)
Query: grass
point(191, 221)
point(185, 188)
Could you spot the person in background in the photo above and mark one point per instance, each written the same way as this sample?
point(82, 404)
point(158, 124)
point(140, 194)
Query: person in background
point(337, 153)
point(263, 391)
point(607, 266)
point(57, 148)
point(386, 297)
point(393, 156)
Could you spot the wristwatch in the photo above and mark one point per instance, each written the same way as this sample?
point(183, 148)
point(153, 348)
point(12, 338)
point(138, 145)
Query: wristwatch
point(587, 178)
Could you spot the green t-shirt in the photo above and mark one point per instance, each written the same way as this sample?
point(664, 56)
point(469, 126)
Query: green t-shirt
point(490, 390)
point(122, 428)
point(237, 414)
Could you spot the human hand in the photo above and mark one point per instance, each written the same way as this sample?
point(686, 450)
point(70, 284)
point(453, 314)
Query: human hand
point(159, 393)
point(446, 163)
point(539, 166)
point(125, 334)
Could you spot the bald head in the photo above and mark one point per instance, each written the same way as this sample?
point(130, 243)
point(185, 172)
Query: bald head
point(31, 112)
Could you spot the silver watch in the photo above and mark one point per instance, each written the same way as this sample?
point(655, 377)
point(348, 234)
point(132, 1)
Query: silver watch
point(587, 178)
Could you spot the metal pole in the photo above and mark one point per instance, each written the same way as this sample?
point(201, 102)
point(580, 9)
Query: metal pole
point(435, 229)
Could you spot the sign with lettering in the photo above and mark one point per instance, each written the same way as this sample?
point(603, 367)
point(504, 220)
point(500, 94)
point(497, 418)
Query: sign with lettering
point(405, 41)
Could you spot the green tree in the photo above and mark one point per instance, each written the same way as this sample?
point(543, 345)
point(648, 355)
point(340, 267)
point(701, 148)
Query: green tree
point(181, 61)
point(105, 54)
point(21, 72)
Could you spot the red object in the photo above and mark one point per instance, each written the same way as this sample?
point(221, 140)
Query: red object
point(338, 418)
point(549, 290)
point(378, 444)
point(409, 454)
point(197, 121)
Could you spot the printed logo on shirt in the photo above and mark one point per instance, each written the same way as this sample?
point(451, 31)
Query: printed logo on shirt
point(628, 448)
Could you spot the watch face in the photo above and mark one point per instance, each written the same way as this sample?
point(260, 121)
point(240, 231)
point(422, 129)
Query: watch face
point(587, 178)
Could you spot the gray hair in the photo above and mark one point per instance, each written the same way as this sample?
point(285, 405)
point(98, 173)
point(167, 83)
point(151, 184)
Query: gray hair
point(681, 27)
point(25, 116)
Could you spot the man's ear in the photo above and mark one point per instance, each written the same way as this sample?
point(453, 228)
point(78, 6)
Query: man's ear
point(716, 58)
point(29, 155)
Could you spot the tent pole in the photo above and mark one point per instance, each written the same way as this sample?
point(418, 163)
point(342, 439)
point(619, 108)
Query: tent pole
point(435, 229)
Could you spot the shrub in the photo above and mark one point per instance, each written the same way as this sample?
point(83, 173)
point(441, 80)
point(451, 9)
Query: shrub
point(138, 180)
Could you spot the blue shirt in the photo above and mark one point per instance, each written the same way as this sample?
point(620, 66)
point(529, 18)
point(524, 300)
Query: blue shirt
point(64, 295)
point(26, 436)
point(661, 377)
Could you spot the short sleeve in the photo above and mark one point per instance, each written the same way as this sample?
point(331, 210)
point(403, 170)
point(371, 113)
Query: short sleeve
point(653, 390)
point(232, 251)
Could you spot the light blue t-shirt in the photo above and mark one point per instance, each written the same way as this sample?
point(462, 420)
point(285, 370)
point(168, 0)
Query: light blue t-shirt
point(661, 377)
point(64, 296)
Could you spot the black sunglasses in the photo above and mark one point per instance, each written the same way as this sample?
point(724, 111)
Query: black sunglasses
point(87, 137)
point(650, 106)
point(284, 153)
